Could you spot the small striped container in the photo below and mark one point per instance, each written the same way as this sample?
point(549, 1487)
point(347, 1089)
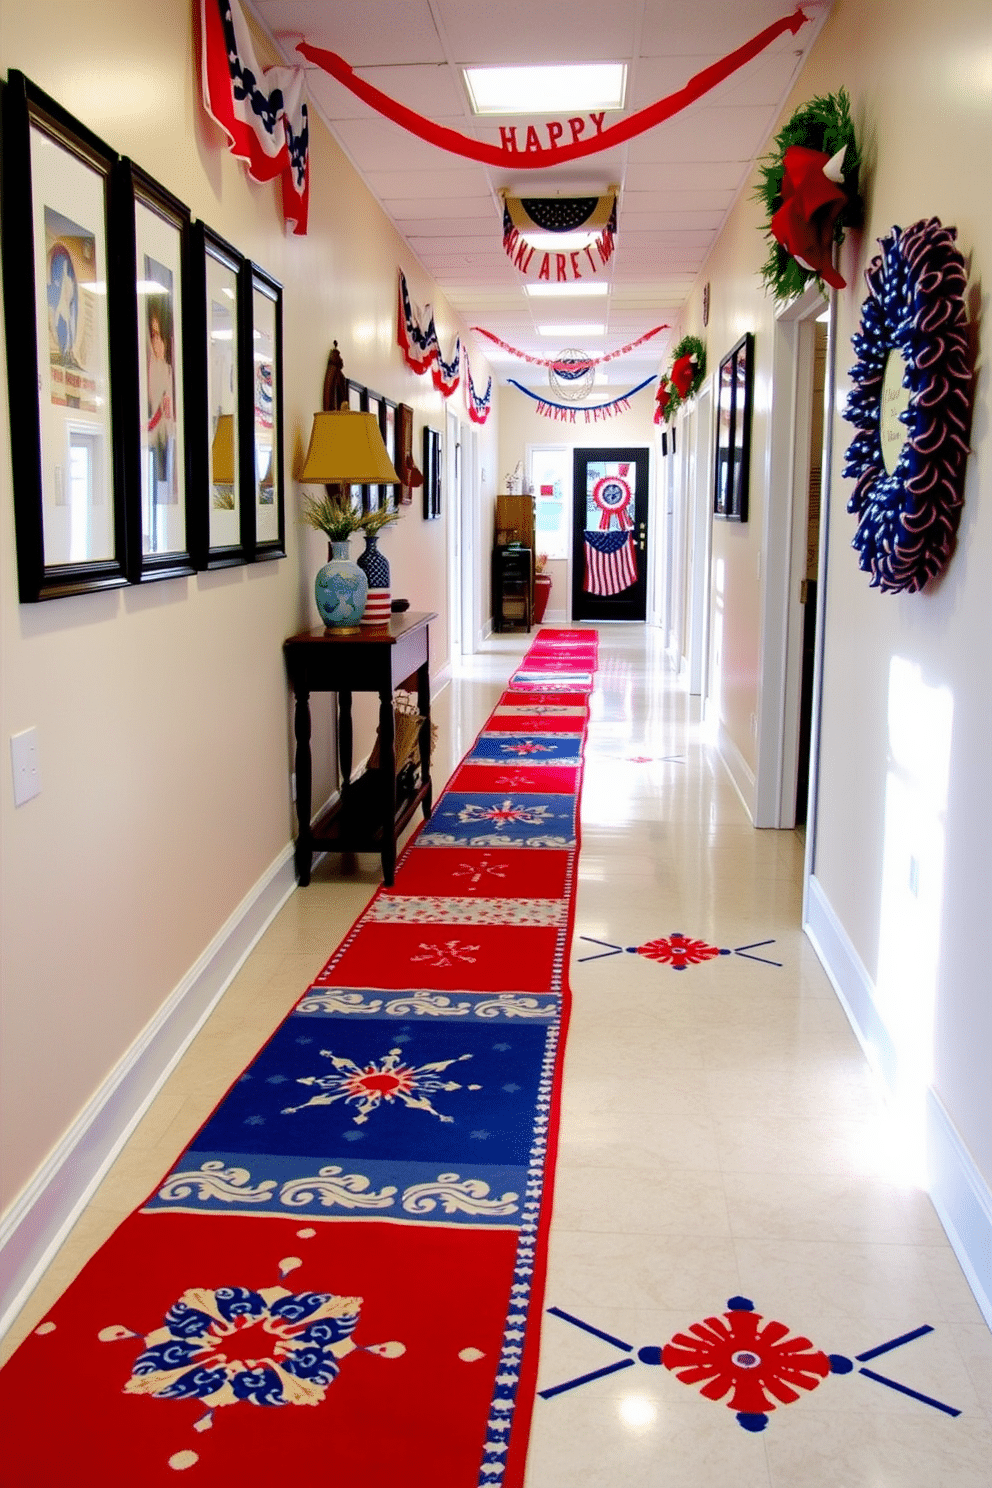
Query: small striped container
point(375, 566)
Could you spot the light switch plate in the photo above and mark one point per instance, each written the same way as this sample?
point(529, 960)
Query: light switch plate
point(24, 763)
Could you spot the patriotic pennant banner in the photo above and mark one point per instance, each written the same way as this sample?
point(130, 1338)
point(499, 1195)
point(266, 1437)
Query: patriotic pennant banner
point(565, 413)
point(479, 404)
point(420, 346)
point(534, 156)
point(569, 367)
point(523, 215)
point(261, 110)
point(611, 564)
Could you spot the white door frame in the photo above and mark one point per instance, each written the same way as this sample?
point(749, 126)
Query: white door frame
point(452, 486)
point(700, 536)
point(468, 538)
point(787, 475)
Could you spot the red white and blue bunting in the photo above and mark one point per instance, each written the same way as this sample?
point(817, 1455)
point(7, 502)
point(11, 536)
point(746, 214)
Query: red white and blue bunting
point(420, 346)
point(479, 404)
point(262, 110)
point(565, 413)
point(525, 215)
point(569, 368)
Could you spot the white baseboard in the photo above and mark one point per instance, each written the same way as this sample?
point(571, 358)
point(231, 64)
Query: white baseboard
point(43, 1213)
point(960, 1195)
point(738, 769)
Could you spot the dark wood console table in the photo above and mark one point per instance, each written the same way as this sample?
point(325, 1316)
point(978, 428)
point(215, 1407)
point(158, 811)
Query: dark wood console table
point(367, 817)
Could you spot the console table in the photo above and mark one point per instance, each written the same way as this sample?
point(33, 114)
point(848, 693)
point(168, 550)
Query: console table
point(367, 816)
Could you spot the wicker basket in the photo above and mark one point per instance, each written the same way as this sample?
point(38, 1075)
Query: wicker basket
point(406, 724)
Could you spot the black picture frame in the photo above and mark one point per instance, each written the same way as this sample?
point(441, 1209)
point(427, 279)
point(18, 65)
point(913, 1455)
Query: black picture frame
point(152, 230)
point(63, 300)
point(432, 474)
point(373, 493)
point(388, 422)
point(220, 520)
point(262, 433)
point(356, 402)
point(732, 469)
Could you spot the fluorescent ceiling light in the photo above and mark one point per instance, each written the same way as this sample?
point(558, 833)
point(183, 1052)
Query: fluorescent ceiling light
point(570, 287)
point(571, 330)
point(546, 90)
point(547, 242)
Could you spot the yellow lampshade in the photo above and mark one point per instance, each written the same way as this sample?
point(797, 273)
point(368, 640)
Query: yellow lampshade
point(222, 451)
point(346, 448)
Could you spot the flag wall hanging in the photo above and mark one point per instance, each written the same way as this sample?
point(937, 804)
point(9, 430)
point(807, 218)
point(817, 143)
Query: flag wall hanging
point(262, 110)
point(524, 215)
point(479, 404)
point(535, 156)
point(420, 345)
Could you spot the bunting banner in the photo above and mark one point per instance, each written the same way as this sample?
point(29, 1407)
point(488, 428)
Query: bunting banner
point(420, 346)
point(479, 404)
point(569, 367)
point(564, 413)
point(534, 155)
point(262, 110)
point(523, 215)
point(611, 563)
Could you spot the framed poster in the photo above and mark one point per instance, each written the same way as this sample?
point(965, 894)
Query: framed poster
point(220, 518)
point(387, 423)
point(262, 341)
point(432, 474)
point(733, 432)
point(404, 452)
point(62, 294)
point(153, 235)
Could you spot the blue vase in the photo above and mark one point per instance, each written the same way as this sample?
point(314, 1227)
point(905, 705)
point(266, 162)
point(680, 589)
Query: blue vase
point(340, 590)
point(375, 567)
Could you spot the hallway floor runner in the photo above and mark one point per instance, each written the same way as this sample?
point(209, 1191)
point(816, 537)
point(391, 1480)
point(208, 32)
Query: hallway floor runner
point(360, 1226)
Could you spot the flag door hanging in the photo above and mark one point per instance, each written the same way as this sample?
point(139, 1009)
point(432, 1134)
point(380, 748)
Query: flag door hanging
point(611, 561)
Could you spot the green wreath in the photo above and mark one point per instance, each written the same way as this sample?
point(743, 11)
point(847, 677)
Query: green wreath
point(684, 377)
point(823, 124)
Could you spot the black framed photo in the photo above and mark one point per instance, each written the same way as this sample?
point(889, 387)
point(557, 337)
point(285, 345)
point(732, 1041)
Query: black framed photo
point(733, 432)
point(432, 474)
point(220, 516)
point(374, 493)
point(356, 402)
point(262, 353)
point(62, 297)
point(387, 424)
point(153, 234)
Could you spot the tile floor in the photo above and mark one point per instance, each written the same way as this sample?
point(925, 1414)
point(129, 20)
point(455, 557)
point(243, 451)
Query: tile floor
point(721, 1135)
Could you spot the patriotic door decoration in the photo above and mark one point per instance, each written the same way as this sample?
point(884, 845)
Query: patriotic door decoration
point(611, 562)
point(262, 110)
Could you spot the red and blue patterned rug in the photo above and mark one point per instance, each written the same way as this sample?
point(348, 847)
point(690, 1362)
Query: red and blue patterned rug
point(360, 1227)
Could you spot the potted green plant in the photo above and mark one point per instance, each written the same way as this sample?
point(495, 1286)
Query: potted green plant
point(375, 566)
point(341, 588)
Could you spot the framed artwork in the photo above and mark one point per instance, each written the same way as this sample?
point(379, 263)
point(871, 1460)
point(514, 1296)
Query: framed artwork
point(220, 516)
point(153, 234)
point(432, 474)
point(387, 423)
point(404, 452)
point(262, 343)
point(733, 434)
point(62, 296)
point(374, 494)
point(356, 402)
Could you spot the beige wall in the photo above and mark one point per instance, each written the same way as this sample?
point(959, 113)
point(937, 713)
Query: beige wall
point(906, 678)
point(162, 711)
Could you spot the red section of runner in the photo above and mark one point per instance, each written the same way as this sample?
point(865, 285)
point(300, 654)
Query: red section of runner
point(546, 779)
point(536, 697)
point(378, 1421)
point(445, 958)
point(535, 723)
point(483, 873)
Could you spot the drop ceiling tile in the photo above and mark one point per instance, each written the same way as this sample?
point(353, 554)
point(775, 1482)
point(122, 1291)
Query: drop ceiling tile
point(445, 184)
point(537, 31)
point(705, 134)
point(419, 219)
point(764, 80)
point(432, 89)
point(403, 30)
point(671, 30)
point(374, 144)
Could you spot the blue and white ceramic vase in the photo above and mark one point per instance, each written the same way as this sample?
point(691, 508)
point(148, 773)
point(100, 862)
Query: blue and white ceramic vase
point(340, 590)
point(375, 567)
